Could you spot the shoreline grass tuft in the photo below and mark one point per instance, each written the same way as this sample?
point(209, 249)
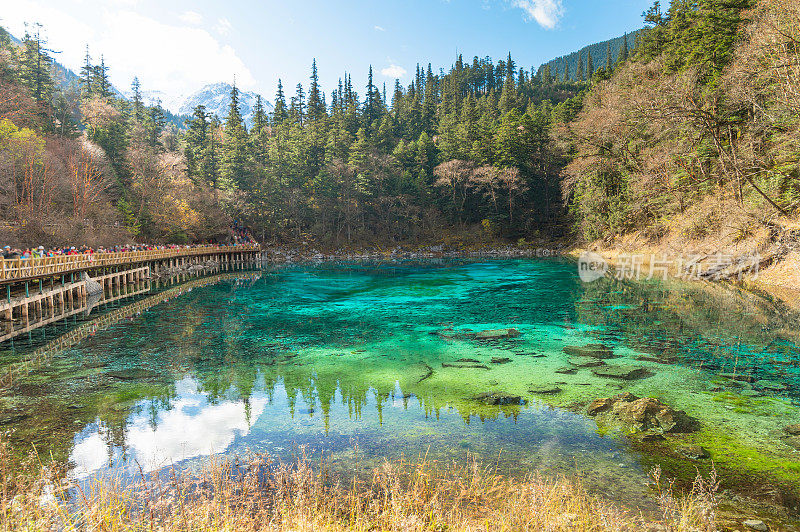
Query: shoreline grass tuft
point(258, 493)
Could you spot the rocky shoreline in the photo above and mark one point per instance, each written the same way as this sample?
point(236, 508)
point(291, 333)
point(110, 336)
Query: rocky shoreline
point(294, 254)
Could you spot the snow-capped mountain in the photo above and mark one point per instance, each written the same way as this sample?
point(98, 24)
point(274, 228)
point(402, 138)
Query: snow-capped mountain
point(156, 97)
point(217, 98)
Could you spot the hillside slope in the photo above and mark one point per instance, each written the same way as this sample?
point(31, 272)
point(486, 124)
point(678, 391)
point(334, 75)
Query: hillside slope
point(693, 145)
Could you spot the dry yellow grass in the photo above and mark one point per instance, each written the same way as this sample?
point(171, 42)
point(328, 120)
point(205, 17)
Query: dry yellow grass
point(259, 494)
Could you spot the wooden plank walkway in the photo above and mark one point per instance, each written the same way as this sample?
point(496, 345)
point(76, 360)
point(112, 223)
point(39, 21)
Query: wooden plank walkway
point(14, 270)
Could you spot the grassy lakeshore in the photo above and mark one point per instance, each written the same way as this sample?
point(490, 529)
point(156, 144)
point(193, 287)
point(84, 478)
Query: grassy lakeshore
point(258, 494)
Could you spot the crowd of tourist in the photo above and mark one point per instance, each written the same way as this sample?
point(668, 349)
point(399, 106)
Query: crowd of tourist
point(240, 237)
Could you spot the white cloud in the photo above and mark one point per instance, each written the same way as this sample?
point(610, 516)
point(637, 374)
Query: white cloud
point(223, 26)
point(380, 28)
point(546, 13)
point(191, 17)
point(174, 59)
point(393, 71)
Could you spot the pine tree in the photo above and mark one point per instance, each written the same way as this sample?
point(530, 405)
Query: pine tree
point(234, 155)
point(623, 50)
point(138, 105)
point(579, 73)
point(566, 77)
point(154, 125)
point(547, 77)
point(510, 66)
point(372, 104)
point(87, 73)
point(297, 106)
point(36, 67)
point(234, 118)
point(589, 65)
point(397, 98)
point(100, 79)
point(196, 142)
point(316, 109)
point(259, 115)
point(279, 113)
point(609, 64)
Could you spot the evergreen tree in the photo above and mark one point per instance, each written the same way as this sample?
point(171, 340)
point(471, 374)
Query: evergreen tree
point(138, 105)
point(197, 140)
point(589, 65)
point(234, 158)
point(259, 115)
point(154, 125)
point(316, 109)
point(297, 106)
point(372, 104)
point(609, 64)
point(100, 79)
point(579, 73)
point(36, 67)
point(279, 112)
point(623, 50)
point(234, 118)
point(87, 74)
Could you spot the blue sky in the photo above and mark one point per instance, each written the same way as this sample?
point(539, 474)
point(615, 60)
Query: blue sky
point(177, 46)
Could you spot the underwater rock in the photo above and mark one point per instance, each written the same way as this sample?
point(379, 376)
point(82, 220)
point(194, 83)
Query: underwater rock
point(600, 351)
point(500, 360)
point(643, 414)
point(497, 398)
point(651, 435)
point(623, 372)
point(693, 452)
point(738, 377)
point(10, 419)
point(546, 389)
point(464, 366)
point(750, 393)
point(794, 429)
point(599, 405)
point(585, 362)
point(532, 354)
point(566, 370)
point(792, 441)
point(496, 334)
point(130, 374)
point(773, 386)
point(756, 524)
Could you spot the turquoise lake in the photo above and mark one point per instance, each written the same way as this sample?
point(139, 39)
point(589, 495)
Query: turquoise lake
point(355, 363)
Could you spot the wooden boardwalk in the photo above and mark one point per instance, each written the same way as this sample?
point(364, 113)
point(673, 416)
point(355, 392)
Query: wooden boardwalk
point(17, 270)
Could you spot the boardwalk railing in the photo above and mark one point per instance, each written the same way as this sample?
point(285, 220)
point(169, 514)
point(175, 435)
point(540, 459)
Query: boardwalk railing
point(18, 269)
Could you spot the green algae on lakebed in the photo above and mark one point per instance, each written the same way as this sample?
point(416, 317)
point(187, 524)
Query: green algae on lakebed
point(381, 360)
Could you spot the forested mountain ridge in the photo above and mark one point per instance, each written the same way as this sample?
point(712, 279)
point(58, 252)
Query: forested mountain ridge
point(343, 167)
point(581, 64)
point(699, 114)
